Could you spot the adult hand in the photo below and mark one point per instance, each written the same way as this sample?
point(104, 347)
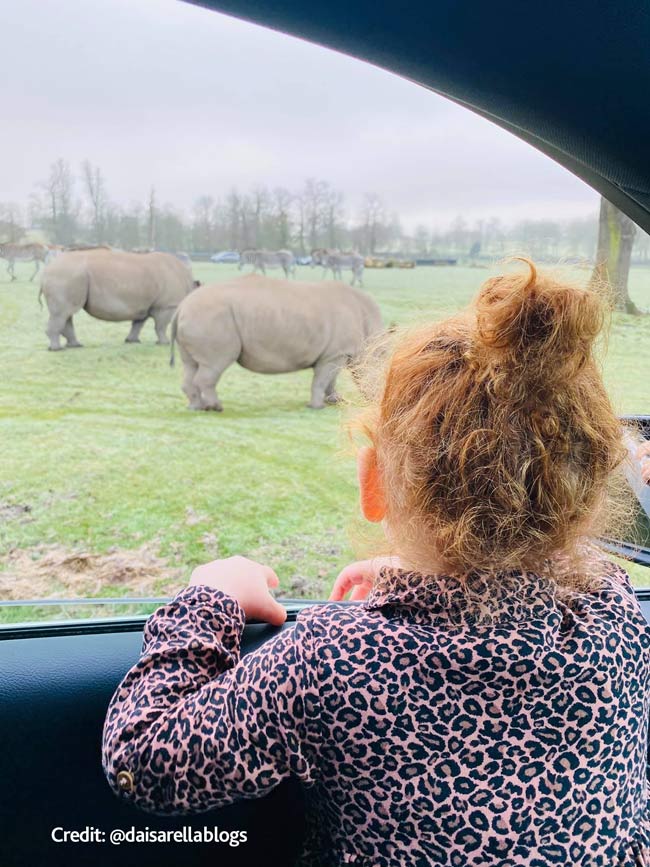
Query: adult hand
point(246, 581)
point(359, 577)
point(643, 453)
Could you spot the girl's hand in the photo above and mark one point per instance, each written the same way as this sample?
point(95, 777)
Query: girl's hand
point(359, 578)
point(246, 581)
point(644, 452)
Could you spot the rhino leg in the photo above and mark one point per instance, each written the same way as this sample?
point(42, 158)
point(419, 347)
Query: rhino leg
point(190, 368)
point(69, 334)
point(331, 395)
point(324, 381)
point(134, 334)
point(205, 382)
point(161, 319)
point(64, 296)
point(56, 325)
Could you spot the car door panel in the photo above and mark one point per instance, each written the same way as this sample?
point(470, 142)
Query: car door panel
point(54, 692)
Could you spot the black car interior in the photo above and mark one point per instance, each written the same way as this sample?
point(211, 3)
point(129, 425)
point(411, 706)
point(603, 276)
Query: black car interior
point(568, 78)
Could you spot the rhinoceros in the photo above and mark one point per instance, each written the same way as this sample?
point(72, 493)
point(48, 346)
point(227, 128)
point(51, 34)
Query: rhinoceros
point(271, 326)
point(114, 286)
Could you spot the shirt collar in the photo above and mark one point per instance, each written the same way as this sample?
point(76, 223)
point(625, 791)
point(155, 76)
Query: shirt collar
point(445, 599)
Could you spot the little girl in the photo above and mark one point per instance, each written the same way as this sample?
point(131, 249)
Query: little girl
point(487, 701)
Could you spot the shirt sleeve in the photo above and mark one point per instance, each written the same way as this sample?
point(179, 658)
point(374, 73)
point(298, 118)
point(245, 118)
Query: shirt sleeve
point(192, 726)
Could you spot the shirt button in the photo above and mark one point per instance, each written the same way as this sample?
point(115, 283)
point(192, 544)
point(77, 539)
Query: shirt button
point(125, 781)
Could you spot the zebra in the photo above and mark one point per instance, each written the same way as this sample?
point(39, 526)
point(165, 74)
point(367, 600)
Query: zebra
point(52, 251)
point(263, 259)
point(13, 253)
point(318, 257)
point(335, 261)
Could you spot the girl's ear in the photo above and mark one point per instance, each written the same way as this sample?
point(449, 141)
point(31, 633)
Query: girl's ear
point(371, 491)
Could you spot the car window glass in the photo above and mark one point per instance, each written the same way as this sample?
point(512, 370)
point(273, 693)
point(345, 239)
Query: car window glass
point(160, 126)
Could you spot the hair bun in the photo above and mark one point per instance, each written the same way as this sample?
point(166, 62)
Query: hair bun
point(538, 324)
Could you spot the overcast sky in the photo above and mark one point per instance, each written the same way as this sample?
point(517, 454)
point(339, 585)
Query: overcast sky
point(160, 92)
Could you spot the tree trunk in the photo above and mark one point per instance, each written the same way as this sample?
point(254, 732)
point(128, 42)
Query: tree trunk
point(615, 240)
point(151, 228)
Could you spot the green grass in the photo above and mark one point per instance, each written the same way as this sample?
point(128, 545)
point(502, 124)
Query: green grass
point(99, 444)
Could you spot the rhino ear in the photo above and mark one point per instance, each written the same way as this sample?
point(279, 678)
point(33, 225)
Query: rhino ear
point(197, 283)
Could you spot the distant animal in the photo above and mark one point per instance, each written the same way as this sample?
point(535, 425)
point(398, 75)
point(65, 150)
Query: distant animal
point(336, 262)
point(114, 286)
point(83, 246)
point(319, 257)
point(270, 326)
point(263, 259)
point(13, 253)
point(53, 250)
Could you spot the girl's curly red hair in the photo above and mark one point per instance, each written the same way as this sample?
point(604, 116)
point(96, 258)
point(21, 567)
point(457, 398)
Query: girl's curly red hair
point(494, 433)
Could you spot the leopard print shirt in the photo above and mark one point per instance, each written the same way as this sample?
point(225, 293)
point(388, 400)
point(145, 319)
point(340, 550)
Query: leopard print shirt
point(422, 734)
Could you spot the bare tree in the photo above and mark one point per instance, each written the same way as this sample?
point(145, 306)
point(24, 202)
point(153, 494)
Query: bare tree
point(616, 233)
point(202, 225)
point(313, 216)
point(233, 212)
point(281, 212)
point(247, 221)
point(58, 192)
point(373, 216)
point(151, 220)
point(10, 222)
point(95, 187)
point(333, 213)
point(259, 212)
point(219, 234)
point(314, 199)
point(301, 212)
point(112, 217)
point(129, 230)
point(171, 232)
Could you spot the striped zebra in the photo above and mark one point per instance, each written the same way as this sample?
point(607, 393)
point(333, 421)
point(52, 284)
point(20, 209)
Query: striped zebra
point(318, 257)
point(263, 259)
point(337, 262)
point(13, 253)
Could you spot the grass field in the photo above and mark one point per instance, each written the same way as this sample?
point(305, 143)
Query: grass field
point(101, 457)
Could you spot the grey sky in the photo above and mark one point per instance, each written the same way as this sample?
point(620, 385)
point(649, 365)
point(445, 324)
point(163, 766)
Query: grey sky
point(160, 92)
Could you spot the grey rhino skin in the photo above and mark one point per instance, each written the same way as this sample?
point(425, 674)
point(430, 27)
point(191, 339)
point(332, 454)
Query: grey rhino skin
point(271, 326)
point(114, 286)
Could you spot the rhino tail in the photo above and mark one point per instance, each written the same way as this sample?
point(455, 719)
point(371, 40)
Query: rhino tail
point(40, 295)
point(172, 358)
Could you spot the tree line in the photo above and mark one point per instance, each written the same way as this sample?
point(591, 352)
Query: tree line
point(76, 207)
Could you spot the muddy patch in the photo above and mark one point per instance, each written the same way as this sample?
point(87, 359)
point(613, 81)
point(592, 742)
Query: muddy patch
point(53, 571)
point(307, 567)
point(15, 512)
